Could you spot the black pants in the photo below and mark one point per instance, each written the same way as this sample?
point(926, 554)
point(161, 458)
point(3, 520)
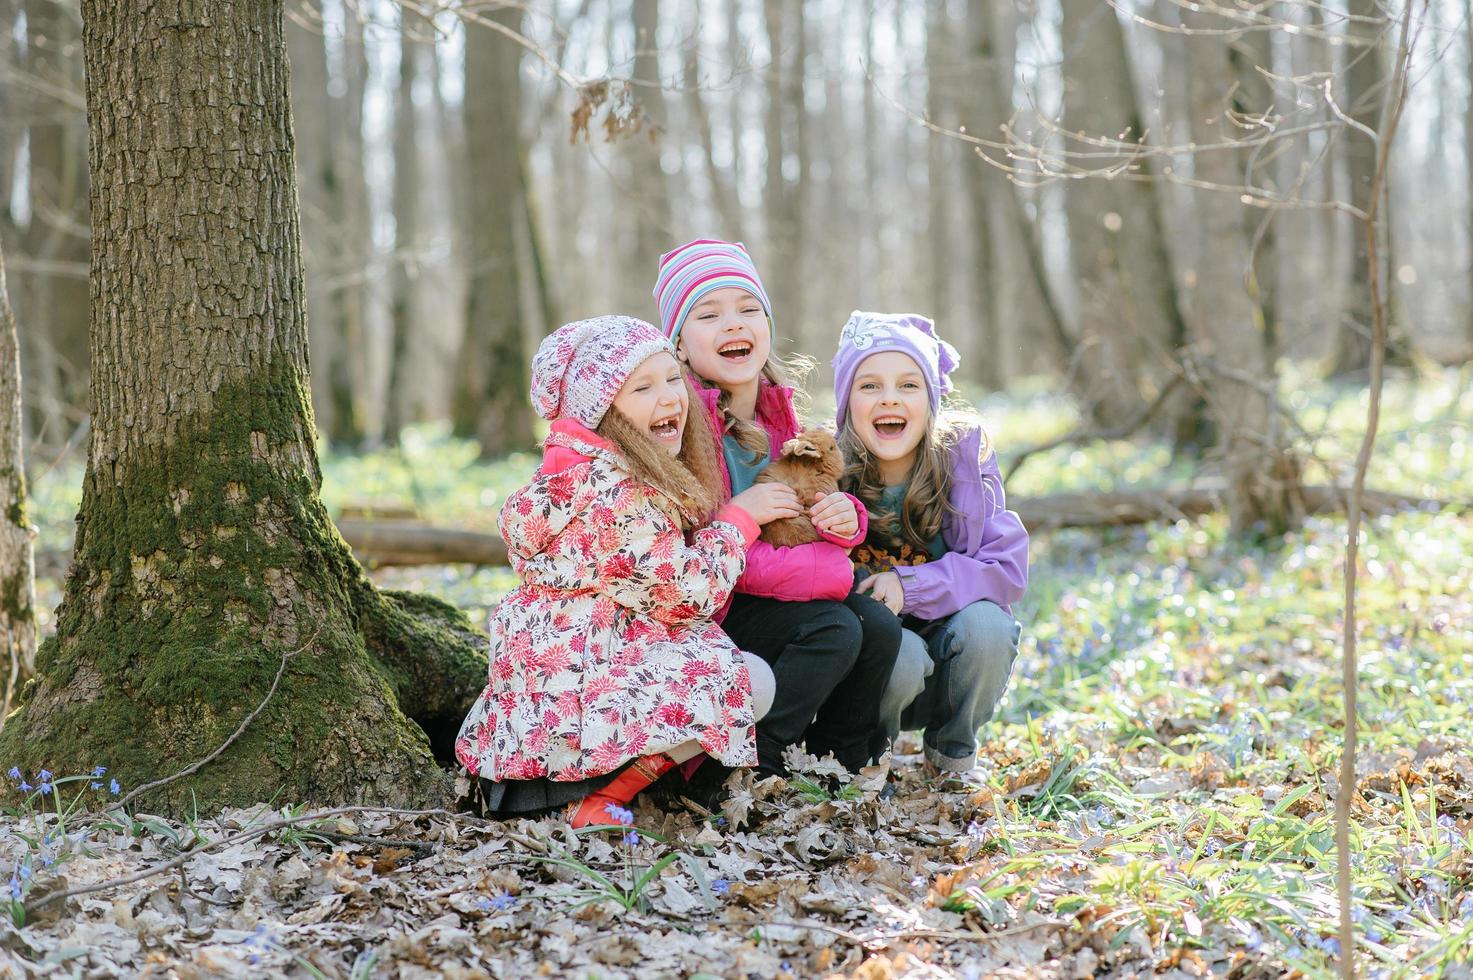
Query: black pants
point(831, 661)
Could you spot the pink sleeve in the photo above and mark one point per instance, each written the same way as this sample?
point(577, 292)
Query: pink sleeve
point(862, 513)
point(820, 570)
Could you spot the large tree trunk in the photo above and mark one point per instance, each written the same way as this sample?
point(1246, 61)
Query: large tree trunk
point(204, 556)
point(1261, 475)
point(17, 560)
point(1128, 314)
point(782, 260)
point(653, 231)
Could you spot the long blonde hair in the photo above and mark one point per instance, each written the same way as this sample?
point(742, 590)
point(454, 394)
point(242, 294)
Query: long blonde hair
point(927, 498)
point(691, 477)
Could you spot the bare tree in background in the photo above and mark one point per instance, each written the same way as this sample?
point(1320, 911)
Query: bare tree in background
point(1129, 323)
point(17, 560)
point(54, 295)
point(491, 401)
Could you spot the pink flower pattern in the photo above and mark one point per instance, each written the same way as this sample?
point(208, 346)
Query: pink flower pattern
point(607, 651)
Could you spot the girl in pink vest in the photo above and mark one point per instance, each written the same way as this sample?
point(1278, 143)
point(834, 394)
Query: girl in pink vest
point(831, 650)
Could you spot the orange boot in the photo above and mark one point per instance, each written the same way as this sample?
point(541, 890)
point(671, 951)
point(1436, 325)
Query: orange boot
point(593, 809)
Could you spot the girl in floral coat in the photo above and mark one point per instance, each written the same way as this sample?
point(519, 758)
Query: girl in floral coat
point(606, 669)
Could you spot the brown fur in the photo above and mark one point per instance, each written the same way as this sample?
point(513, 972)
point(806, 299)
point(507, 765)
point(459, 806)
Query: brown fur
point(811, 464)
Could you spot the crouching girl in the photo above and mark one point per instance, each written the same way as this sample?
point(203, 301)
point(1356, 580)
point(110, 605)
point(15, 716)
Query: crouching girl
point(943, 550)
point(606, 670)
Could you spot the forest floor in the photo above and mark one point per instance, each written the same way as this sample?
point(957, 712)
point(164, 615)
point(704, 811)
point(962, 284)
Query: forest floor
point(1154, 798)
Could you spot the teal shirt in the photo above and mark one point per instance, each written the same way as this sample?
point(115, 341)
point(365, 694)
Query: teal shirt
point(881, 555)
point(743, 465)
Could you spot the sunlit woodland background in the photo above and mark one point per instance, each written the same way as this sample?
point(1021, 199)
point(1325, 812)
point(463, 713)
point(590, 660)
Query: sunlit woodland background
point(442, 183)
point(1164, 236)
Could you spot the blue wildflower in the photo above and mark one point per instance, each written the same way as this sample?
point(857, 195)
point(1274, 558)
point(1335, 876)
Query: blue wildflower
point(45, 788)
point(721, 886)
point(14, 772)
point(15, 891)
point(631, 838)
point(483, 903)
point(503, 902)
point(25, 787)
point(619, 814)
point(95, 785)
point(44, 775)
point(99, 771)
point(25, 872)
point(113, 787)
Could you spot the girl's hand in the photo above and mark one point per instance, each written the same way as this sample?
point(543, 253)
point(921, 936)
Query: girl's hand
point(835, 514)
point(885, 587)
point(768, 502)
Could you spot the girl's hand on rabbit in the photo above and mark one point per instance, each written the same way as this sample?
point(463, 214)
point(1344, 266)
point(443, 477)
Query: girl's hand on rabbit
point(835, 514)
point(768, 502)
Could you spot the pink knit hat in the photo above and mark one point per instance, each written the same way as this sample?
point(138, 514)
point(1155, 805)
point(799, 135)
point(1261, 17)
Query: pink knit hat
point(580, 366)
point(696, 268)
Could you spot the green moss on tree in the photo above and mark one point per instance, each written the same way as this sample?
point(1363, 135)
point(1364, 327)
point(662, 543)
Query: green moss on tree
point(197, 568)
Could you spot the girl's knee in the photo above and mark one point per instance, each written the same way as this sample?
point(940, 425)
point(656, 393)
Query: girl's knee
point(986, 626)
point(912, 666)
point(764, 685)
point(838, 631)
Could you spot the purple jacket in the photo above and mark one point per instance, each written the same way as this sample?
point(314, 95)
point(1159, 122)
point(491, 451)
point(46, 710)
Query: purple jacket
point(986, 544)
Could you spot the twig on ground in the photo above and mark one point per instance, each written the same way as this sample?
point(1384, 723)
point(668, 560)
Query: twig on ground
point(908, 934)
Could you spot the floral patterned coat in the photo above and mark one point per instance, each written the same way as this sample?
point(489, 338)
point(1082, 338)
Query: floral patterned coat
point(607, 650)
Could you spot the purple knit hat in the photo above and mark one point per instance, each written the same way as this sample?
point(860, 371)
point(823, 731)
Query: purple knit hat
point(696, 268)
point(580, 366)
point(908, 333)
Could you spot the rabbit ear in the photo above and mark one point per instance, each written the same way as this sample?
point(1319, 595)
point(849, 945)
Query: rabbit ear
point(799, 446)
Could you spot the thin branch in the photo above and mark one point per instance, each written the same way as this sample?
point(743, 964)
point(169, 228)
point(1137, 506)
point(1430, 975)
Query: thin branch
point(1390, 118)
point(1121, 431)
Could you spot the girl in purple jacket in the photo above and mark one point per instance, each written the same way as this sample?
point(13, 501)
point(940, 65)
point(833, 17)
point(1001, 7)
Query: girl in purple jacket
point(831, 649)
point(943, 551)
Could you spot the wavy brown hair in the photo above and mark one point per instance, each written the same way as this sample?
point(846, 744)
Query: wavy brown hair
point(690, 477)
point(928, 489)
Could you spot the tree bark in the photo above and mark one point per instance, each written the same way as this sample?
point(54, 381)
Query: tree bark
point(652, 216)
point(204, 555)
point(1128, 313)
point(784, 88)
point(1261, 475)
point(491, 398)
point(17, 559)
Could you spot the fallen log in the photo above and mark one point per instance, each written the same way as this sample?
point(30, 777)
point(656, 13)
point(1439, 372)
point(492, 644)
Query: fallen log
point(401, 542)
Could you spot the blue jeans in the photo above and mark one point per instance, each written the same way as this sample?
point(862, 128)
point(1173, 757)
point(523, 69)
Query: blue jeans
point(948, 680)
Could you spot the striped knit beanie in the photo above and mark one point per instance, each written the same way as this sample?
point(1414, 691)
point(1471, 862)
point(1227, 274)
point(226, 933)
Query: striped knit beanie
point(695, 269)
point(581, 366)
